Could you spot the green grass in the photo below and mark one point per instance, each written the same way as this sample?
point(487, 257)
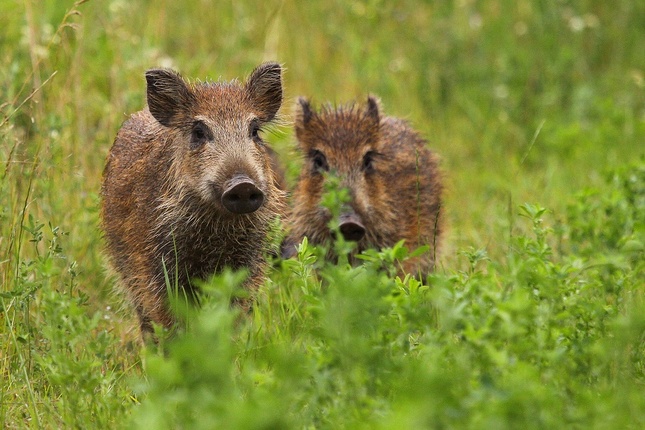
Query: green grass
point(534, 318)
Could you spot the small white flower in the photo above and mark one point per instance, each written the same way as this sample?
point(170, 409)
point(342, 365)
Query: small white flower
point(576, 24)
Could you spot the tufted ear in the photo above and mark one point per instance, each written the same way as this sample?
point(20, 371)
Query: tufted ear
point(168, 95)
point(372, 110)
point(264, 87)
point(304, 113)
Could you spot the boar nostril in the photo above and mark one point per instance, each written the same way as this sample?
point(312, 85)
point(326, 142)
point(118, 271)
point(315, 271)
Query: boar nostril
point(352, 231)
point(241, 196)
point(351, 227)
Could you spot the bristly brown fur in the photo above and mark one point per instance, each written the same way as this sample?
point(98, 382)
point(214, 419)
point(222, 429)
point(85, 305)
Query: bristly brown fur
point(162, 211)
point(393, 179)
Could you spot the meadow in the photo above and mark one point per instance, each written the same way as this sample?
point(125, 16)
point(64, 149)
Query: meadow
point(534, 318)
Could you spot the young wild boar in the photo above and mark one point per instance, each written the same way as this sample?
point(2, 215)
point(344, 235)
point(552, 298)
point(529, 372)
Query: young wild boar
point(393, 181)
point(188, 188)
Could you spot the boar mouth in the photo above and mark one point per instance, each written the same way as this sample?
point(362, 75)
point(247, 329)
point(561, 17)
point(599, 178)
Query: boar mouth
point(241, 195)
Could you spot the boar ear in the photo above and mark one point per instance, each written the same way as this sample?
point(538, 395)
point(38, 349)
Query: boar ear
point(168, 95)
point(303, 112)
point(264, 86)
point(372, 110)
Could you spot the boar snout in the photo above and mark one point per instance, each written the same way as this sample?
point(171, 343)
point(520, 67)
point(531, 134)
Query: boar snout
point(351, 227)
point(241, 195)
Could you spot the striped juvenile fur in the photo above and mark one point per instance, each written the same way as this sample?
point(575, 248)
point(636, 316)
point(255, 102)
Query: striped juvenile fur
point(393, 181)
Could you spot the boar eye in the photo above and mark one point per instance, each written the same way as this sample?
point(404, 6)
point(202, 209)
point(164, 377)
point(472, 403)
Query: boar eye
point(319, 162)
point(199, 135)
point(368, 162)
point(254, 131)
